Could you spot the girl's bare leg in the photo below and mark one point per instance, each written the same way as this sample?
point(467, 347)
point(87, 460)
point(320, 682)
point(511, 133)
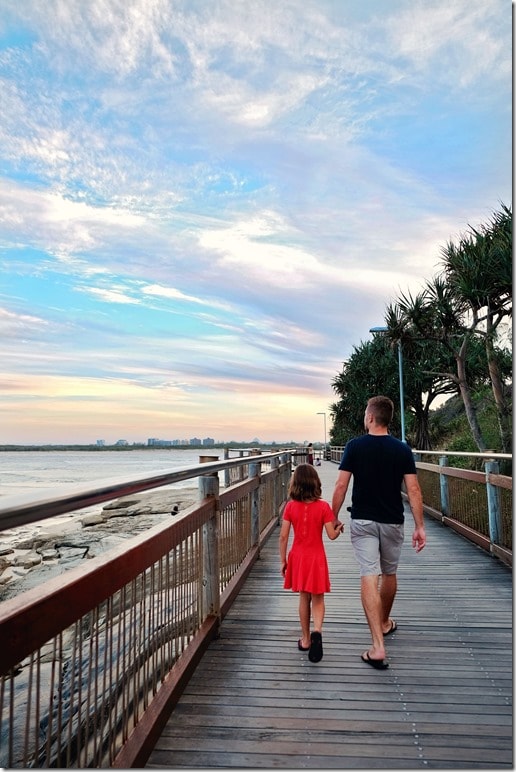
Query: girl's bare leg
point(304, 617)
point(318, 609)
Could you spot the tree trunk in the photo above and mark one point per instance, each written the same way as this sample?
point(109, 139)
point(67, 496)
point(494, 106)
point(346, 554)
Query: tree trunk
point(469, 407)
point(422, 433)
point(497, 386)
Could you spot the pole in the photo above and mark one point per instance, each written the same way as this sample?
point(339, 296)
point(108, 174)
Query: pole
point(402, 396)
point(400, 378)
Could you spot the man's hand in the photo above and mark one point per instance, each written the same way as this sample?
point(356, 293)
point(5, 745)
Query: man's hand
point(418, 539)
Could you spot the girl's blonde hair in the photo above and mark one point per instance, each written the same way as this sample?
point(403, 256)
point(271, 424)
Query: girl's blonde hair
point(305, 484)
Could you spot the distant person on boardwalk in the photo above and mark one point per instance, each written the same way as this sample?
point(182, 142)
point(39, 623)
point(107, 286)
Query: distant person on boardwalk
point(306, 569)
point(310, 453)
point(379, 464)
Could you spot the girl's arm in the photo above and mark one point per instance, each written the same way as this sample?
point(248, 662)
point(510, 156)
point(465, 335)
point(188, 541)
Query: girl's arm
point(334, 529)
point(283, 542)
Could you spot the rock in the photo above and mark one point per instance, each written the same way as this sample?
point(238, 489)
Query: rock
point(46, 549)
point(122, 503)
point(29, 560)
point(95, 519)
point(70, 553)
point(155, 502)
point(49, 554)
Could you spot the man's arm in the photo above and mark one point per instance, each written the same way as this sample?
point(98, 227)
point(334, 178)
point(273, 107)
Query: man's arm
point(415, 498)
point(340, 490)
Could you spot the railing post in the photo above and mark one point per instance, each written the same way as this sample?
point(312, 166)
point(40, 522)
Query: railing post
point(254, 471)
point(443, 482)
point(494, 504)
point(209, 486)
point(276, 485)
point(286, 472)
point(227, 471)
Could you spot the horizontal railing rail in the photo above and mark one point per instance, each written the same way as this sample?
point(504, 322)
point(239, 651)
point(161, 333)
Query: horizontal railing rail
point(477, 504)
point(92, 661)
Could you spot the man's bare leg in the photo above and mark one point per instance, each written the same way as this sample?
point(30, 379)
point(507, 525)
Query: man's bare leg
point(388, 587)
point(372, 604)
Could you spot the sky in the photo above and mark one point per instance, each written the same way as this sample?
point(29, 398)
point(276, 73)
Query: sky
point(206, 204)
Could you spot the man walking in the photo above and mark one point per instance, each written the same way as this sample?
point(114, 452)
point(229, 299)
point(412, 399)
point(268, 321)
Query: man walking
point(379, 464)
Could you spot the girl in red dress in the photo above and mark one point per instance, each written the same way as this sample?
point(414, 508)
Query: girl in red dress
point(306, 568)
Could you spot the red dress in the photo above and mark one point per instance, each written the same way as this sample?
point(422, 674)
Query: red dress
point(307, 566)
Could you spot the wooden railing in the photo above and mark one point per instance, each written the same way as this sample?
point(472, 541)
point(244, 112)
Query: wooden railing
point(477, 504)
point(93, 661)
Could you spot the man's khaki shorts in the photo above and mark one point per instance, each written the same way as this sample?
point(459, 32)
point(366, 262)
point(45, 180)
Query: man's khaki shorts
point(377, 546)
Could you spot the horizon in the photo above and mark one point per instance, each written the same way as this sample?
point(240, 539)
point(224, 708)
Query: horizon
point(123, 444)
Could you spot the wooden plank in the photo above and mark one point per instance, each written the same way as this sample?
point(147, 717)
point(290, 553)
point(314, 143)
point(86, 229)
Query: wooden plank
point(500, 480)
point(255, 701)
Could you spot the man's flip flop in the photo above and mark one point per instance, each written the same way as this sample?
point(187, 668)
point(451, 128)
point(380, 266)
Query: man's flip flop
point(302, 648)
point(378, 664)
point(315, 653)
point(392, 628)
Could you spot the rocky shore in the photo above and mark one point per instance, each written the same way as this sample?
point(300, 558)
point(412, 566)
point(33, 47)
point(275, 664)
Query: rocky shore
point(32, 554)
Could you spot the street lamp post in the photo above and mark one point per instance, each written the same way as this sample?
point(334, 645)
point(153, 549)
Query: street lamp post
point(324, 414)
point(400, 377)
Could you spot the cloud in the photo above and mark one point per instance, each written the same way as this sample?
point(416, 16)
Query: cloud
point(209, 204)
point(459, 42)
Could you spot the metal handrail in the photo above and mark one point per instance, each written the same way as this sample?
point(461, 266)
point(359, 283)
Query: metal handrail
point(21, 509)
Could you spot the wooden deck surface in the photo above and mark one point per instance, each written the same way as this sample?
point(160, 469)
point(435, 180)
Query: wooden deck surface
point(255, 701)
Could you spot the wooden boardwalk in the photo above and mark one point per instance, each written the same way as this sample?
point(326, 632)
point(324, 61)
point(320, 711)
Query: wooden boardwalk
point(255, 701)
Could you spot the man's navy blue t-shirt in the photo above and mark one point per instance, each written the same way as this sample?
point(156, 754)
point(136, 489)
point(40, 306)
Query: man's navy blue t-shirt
point(378, 464)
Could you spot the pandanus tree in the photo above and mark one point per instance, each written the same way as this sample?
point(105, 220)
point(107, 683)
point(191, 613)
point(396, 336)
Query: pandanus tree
point(478, 274)
point(436, 315)
point(426, 368)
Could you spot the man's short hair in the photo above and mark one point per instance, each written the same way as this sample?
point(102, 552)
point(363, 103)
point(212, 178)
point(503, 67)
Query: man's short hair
point(382, 409)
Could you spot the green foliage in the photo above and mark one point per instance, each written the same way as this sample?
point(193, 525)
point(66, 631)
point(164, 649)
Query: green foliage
point(371, 369)
point(451, 432)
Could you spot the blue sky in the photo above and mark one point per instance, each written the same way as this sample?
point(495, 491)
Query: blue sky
point(205, 205)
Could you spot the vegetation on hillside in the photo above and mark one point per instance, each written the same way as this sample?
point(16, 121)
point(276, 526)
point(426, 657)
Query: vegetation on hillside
point(450, 430)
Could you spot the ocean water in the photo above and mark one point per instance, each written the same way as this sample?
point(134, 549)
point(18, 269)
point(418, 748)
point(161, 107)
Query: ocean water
point(25, 471)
